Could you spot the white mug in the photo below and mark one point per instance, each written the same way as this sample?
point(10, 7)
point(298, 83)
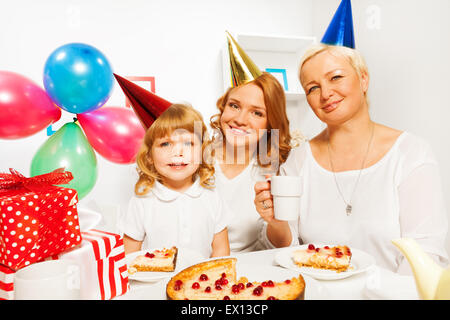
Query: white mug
point(286, 192)
point(48, 280)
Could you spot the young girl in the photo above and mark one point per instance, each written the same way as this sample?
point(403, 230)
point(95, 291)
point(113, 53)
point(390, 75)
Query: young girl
point(175, 202)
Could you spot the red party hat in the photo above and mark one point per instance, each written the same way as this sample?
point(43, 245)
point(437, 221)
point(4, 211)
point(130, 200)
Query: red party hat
point(147, 105)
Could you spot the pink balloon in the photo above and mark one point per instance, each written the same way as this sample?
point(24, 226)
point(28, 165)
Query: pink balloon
point(25, 108)
point(114, 132)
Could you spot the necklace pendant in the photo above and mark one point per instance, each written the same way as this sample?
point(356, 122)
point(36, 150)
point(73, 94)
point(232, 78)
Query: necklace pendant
point(348, 209)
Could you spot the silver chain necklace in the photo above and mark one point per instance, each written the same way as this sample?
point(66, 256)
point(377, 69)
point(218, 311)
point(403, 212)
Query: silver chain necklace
point(349, 208)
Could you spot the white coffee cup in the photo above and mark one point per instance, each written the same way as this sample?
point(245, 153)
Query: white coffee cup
point(286, 192)
point(48, 280)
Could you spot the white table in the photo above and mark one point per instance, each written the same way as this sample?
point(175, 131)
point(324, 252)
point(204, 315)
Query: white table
point(376, 283)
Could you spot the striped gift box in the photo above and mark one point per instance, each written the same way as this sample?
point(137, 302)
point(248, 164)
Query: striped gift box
point(6, 283)
point(103, 267)
point(111, 267)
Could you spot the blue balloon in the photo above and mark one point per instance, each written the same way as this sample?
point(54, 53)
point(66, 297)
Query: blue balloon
point(78, 78)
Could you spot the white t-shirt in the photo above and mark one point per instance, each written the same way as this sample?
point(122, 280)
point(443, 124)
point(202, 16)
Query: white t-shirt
point(399, 196)
point(165, 218)
point(245, 223)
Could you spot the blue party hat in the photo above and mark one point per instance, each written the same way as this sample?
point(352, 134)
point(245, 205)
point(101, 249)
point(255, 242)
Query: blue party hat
point(340, 30)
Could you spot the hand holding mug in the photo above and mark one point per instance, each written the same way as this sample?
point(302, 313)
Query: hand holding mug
point(278, 198)
point(263, 200)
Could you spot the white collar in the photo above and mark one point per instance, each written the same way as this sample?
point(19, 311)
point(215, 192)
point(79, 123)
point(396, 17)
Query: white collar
point(166, 194)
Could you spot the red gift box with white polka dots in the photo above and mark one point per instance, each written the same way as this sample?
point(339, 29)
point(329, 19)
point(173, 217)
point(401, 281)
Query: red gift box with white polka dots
point(36, 225)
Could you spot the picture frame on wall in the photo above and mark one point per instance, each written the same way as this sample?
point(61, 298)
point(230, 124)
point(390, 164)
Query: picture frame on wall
point(280, 75)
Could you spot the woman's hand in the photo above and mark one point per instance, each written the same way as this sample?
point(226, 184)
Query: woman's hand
point(278, 231)
point(264, 201)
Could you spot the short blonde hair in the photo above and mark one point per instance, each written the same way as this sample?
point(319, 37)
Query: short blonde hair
point(177, 116)
point(353, 56)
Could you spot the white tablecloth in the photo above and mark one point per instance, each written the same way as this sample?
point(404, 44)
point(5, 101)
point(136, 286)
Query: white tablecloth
point(375, 283)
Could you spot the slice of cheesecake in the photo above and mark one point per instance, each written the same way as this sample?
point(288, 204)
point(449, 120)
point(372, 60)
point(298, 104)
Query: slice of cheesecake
point(336, 258)
point(162, 260)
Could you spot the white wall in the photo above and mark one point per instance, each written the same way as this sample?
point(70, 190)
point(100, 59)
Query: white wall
point(179, 42)
point(407, 50)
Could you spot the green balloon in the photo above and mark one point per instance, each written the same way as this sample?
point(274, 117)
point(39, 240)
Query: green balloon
point(68, 148)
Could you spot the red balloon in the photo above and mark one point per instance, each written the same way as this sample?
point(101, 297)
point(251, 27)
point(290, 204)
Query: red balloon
point(25, 108)
point(114, 132)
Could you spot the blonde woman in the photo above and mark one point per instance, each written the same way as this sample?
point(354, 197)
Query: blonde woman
point(176, 203)
point(364, 183)
point(252, 139)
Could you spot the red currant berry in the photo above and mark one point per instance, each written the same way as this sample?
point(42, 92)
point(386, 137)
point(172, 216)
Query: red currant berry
point(195, 285)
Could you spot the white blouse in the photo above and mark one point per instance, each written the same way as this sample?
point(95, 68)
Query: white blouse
point(245, 223)
point(166, 218)
point(399, 196)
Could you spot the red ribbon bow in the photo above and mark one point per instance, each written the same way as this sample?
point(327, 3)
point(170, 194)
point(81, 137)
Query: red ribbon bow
point(15, 180)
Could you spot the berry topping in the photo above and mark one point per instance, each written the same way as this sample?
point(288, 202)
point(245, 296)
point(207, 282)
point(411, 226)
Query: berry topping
point(241, 286)
point(178, 285)
point(224, 275)
point(218, 287)
point(203, 277)
point(235, 288)
point(149, 255)
point(226, 298)
point(268, 284)
point(249, 284)
point(311, 247)
point(271, 298)
point(223, 281)
point(326, 247)
point(208, 289)
point(287, 281)
point(258, 291)
point(195, 285)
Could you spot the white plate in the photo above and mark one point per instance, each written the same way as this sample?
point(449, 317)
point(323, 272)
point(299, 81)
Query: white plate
point(360, 262)
point(313, 289)
point(185, 258)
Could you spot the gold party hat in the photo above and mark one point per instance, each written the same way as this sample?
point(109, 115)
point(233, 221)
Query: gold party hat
point(243, 69)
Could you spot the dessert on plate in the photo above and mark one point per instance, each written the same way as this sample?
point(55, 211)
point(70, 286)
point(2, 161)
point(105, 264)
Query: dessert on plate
point(216, 280)
point(163, 260)
point(335, 258)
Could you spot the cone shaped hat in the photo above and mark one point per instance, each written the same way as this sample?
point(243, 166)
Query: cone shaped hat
point(147, 105)
point(340, 31)
point(243, 69)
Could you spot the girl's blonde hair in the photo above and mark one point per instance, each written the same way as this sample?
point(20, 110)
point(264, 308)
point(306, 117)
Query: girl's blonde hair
point(275, 101)
point(177, 116)
point(353, 56)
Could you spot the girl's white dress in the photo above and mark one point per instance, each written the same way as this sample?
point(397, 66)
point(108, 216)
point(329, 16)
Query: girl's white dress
point(166, 218)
